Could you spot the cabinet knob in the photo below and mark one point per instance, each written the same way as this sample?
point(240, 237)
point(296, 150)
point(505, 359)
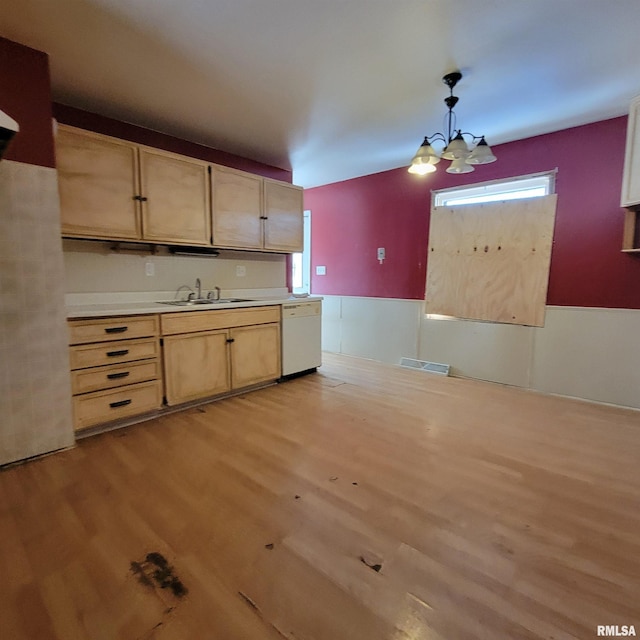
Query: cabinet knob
point(117, 376)
point(121, 403)
point(116, 354)
point(116, 329)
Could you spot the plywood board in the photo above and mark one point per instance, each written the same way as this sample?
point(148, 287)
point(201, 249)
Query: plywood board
point(491, 261)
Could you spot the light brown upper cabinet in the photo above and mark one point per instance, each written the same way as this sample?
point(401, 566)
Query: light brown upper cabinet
point(237, 208)
point(97, 180)
point(250, 212)
point(283, 216)
point(114, 189)
point(175, 204)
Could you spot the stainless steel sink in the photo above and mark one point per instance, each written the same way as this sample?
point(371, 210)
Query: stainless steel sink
point(201, 301)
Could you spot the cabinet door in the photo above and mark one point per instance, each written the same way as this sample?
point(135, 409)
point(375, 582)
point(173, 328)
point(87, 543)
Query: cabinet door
point(177, 207)
point(97, 180)
point(237, 199)
point(196, 366)
point(631, 175)
point(255, 354)
point(283, 229)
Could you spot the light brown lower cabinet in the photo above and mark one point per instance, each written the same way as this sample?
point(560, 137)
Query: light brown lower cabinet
point(107, 406)
point(196, 366)
point(201, 363)
point(255, 354)
point(117, 363)
point(115, 368)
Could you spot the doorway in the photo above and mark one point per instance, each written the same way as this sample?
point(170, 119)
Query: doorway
point(301, 262)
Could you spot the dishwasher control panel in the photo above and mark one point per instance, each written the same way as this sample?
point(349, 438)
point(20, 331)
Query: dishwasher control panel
point(301, 309)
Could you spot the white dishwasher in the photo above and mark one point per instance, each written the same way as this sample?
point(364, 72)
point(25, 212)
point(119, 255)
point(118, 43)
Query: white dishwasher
point(301, 337)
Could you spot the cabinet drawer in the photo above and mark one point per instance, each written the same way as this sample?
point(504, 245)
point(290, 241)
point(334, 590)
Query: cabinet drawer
point(96, 355)
point(191, 321)
point(106, 406)
point(109, 377)
point(115, 328)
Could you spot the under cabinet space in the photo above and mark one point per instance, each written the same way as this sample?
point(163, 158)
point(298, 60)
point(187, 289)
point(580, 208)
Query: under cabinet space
point(631, 235)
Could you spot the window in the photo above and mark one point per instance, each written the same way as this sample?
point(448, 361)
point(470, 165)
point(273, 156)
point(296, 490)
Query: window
point(529, 186)
point(489, 260)
point(301, 262)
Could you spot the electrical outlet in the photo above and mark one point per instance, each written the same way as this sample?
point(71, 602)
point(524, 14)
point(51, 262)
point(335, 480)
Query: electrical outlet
point(241, 270)
point(150, 268)
point(381, 254)
point(321, 271)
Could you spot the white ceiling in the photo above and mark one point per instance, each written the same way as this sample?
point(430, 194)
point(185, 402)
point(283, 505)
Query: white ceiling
point(335, 88)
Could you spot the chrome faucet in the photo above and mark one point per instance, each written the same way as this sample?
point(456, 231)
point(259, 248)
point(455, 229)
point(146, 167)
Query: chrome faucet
point(210, 295)
point(198, 289)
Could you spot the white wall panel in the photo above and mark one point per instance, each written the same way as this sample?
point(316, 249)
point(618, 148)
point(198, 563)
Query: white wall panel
point(584, 353)
point(483, 350)
point(331, 323)
point(589, 353)
point(380, 328)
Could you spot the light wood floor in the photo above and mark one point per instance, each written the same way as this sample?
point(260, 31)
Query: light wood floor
point(493, 513)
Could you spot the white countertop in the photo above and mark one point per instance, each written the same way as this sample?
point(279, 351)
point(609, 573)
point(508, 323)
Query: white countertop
point(119, 304)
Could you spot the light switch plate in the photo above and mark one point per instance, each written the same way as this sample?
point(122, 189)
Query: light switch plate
point(321, 271)
point(241, 270)
point(150, 268)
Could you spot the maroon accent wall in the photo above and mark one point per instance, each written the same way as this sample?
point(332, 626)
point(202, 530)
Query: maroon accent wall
point(133, 133)
point(351, 219)
point(25, 95)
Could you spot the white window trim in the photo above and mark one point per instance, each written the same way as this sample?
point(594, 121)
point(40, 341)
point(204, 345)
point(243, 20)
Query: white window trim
point(528, 186)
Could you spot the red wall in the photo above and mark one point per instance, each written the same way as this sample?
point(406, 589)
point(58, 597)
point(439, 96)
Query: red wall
point(25, 95)
point(107, 126)
point(351, 219)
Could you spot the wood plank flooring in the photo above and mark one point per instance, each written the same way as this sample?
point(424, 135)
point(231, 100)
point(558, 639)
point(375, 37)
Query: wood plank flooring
point(488, 512)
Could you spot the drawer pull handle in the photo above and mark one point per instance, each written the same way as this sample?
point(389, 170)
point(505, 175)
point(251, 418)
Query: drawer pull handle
point(116, 376)
point(115, 354)
point(121, 403)
point(230, 340)
point(116, 329)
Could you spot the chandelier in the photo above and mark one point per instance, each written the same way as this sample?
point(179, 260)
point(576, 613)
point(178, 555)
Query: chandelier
point(455, 147)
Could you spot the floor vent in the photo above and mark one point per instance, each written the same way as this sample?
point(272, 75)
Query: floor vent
point(423, 365)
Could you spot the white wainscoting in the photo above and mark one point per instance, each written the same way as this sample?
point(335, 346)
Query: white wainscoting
point(380, 329)
point(589, 353)
point(585, 353)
